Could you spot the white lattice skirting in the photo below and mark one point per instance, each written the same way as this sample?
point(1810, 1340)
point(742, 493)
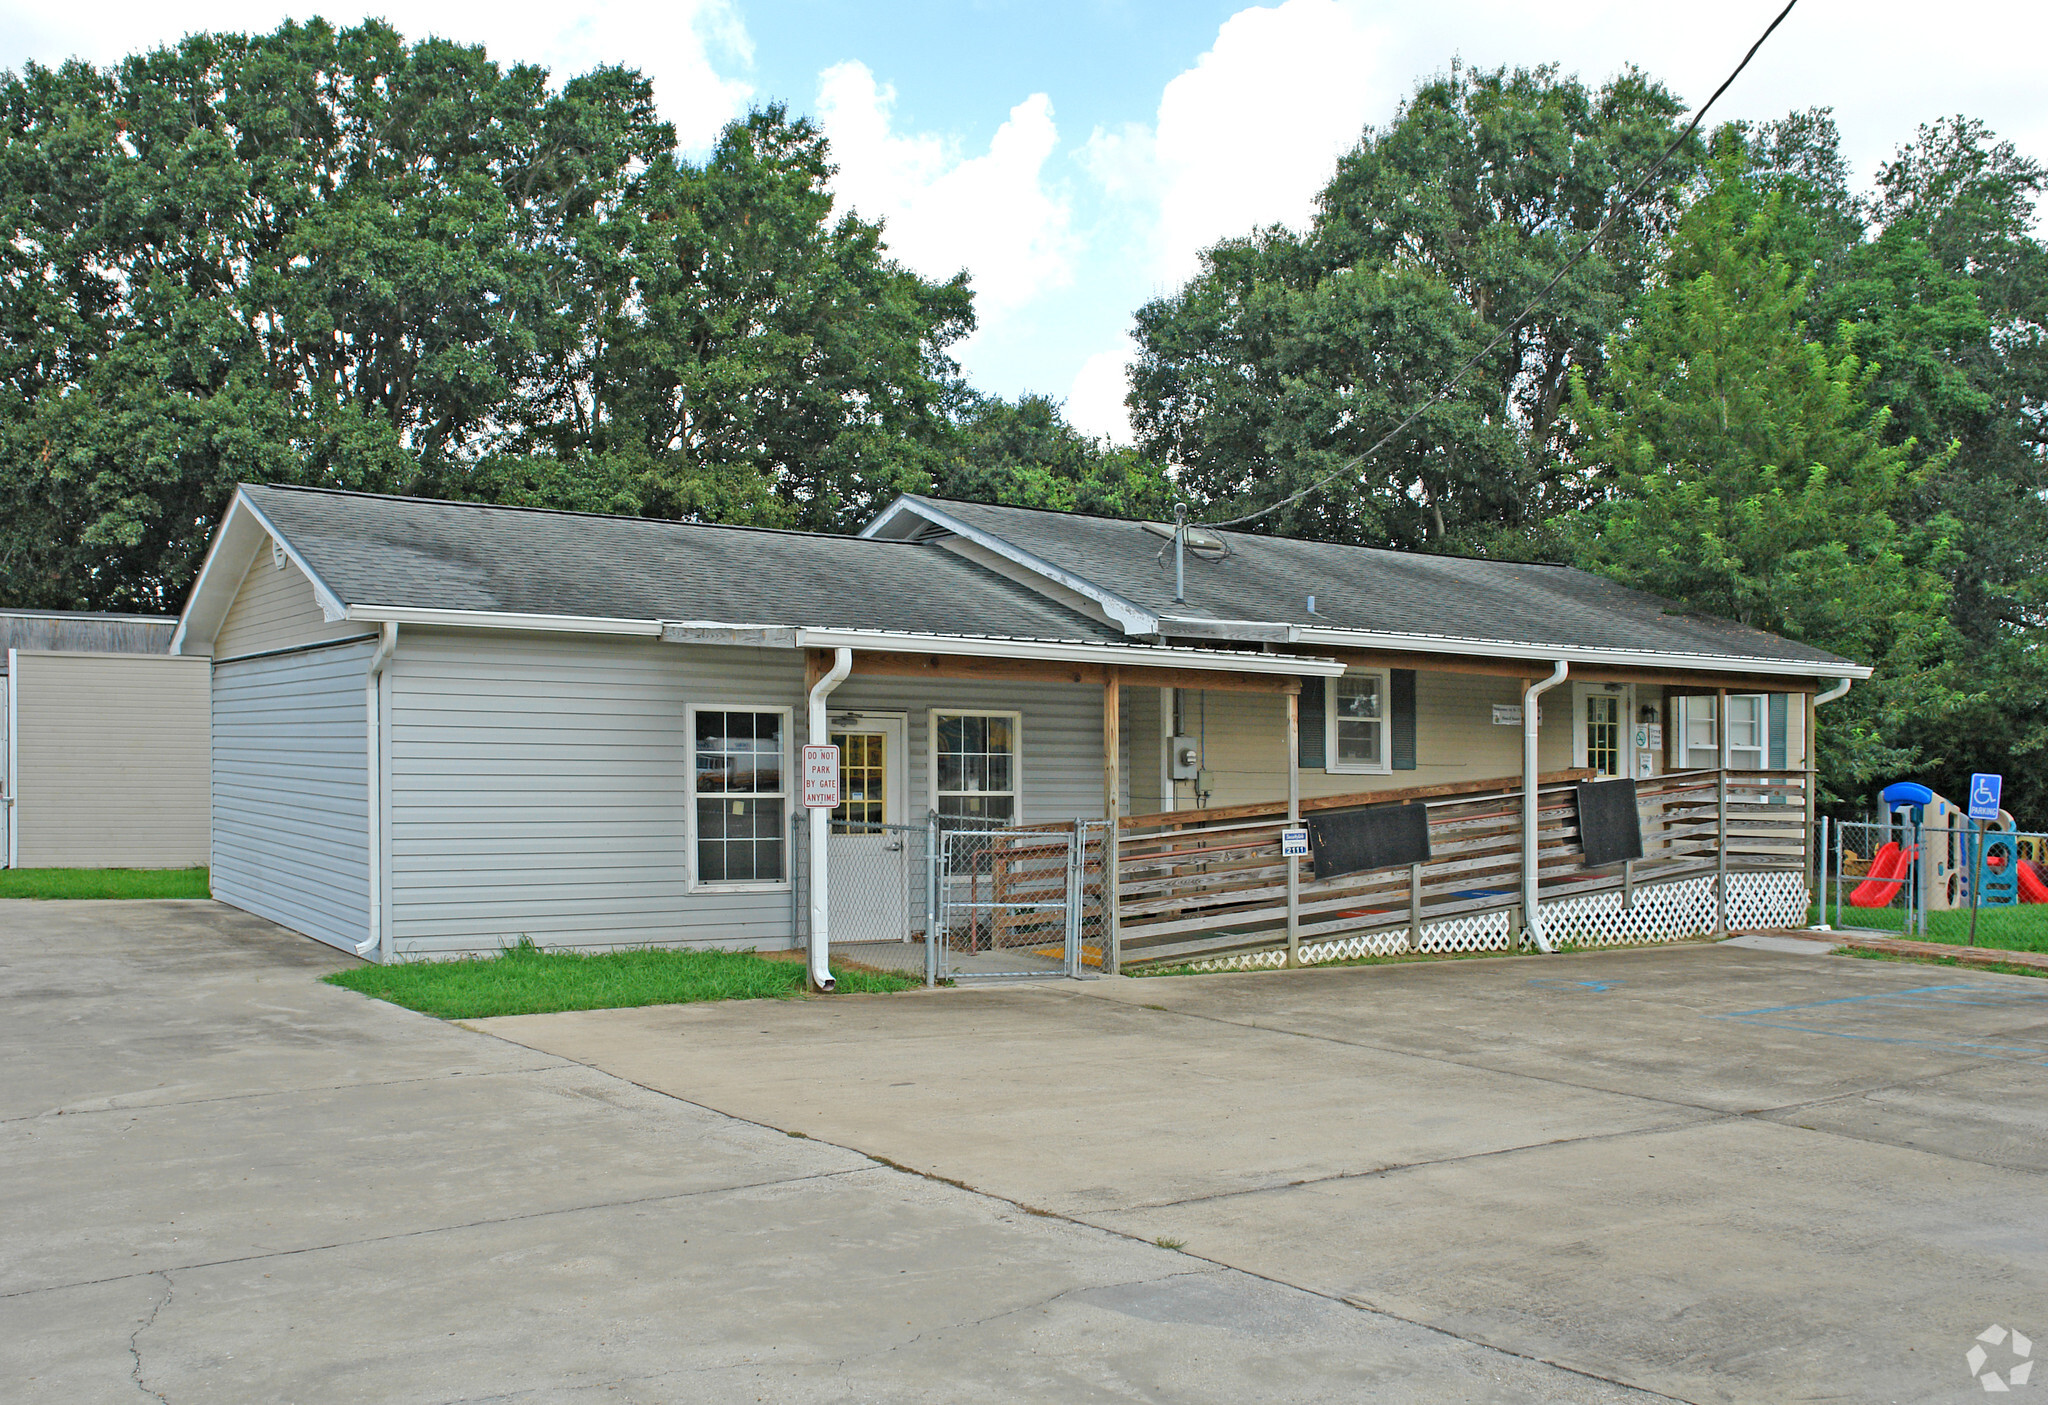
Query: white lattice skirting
point(1665, 913)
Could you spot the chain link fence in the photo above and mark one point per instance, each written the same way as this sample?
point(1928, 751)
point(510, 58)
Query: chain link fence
point(953, 899)
point(1957, 885)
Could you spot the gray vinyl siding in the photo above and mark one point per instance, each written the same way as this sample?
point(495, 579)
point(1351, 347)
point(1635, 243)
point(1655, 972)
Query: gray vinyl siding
point(111, 767)
point(275, 609)
point(1060, 735)
point(539, 786)
point(290, 814)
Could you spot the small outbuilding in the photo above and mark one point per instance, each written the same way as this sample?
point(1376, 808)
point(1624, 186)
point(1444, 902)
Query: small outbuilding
point(104, 735)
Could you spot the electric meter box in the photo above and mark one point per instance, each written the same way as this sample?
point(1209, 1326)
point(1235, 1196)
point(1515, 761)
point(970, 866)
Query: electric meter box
point(1184, 758)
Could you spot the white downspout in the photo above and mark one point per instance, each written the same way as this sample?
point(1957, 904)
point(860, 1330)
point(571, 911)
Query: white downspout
point(1841, 687)
point(373, 731)
point(821, 830)
point(1532, 913)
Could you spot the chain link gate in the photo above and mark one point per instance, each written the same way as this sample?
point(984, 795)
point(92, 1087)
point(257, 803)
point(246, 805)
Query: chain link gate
point(1013, 902)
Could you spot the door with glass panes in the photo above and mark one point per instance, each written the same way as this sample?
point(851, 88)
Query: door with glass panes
point(873, 886)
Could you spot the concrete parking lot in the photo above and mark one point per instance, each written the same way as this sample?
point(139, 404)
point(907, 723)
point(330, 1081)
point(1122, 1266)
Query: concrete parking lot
point(1703, 1173)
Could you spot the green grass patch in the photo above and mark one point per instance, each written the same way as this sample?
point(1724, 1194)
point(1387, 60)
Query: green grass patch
point(104, 883)
point(2018, 927)
point(2004, 968)
point(524, 980)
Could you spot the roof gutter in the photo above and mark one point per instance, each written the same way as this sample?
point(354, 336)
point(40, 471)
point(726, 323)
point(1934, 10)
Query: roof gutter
point(1548, 653)
point(1055, 651)
point(502, 619)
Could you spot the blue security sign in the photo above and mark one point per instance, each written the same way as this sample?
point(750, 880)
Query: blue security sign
point(1294, 843)
point(1984, 792)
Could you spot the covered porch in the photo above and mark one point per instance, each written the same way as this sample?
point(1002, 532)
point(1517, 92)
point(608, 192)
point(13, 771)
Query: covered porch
point(1721, 846)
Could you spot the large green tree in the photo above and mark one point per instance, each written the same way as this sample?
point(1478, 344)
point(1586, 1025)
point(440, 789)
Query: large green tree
point(1289, 353)
point(336, 257)
point(1742, 470)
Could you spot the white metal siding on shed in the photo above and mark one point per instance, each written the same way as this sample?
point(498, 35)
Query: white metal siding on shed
point(539, 786)
point(290, 816)
point(110, 760)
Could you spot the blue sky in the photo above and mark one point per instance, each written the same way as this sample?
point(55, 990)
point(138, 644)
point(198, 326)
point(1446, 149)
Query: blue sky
point(1076, 155)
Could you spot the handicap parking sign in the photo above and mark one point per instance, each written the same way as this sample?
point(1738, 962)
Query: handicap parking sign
point(1984, 791)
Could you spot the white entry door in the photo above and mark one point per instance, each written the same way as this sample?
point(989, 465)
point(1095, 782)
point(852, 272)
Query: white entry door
point(871, 882)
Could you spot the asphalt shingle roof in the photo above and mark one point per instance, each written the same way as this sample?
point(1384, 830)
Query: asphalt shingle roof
point(1269, 579)
point(375, 550)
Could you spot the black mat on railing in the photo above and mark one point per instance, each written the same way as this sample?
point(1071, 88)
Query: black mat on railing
point(1385, 836)
point(1610, 825)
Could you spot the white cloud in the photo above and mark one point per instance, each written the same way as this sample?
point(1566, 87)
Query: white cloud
point(994, 214)
point(681, 46)
point(1095, 403)
point(1251, 133)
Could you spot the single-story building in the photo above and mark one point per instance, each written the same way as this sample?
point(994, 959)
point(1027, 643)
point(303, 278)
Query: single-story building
point(441, 727)
point(103, 747)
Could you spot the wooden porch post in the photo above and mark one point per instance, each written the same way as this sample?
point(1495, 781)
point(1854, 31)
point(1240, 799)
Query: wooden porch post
point(1293, 760)
point(1112, 744)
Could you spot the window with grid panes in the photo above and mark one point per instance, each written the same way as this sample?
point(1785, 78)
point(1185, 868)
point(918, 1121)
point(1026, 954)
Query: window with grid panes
point(1603, 733)
point(1357, 721)
point(863, 776)
point(974, 760)
point(741, 803)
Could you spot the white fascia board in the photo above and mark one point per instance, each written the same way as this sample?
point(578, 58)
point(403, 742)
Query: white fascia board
point(1614, 658)
point(331, 605)
point(1136, 655)
point(236, 542)
point(503, 619)
point(1131, 618)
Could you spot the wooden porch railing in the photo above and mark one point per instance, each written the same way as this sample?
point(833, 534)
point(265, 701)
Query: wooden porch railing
point(1206, 882)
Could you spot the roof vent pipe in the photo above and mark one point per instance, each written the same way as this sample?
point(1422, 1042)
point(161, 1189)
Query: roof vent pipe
point(1180, 546)
point(821, 830)
point(1532, 911)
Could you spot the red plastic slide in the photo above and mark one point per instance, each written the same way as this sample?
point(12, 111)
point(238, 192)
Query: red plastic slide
point(2032, 888)
point(1887, 872)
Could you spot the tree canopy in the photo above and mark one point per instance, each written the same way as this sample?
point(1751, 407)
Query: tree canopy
point(335, 257)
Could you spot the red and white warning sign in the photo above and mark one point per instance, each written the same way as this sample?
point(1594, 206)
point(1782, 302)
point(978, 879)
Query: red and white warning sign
point(821, 777)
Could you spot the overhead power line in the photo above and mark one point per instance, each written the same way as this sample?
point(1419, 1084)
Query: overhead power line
point(1444, 391)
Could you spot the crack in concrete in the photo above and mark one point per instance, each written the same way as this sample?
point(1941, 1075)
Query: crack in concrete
point(1400, 1166)
point(74, 1111)
point(135, 1338)
point(274, 1254)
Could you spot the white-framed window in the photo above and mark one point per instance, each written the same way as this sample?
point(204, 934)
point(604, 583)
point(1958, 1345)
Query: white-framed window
point(1601, 716)
point(739, 791)
point(1355, 723)
point(1748, 740)
point(1746, 746)
point(976, 765)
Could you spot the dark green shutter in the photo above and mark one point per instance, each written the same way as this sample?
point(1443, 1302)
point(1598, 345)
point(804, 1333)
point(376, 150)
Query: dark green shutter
point(1401, 714)
point(1312, 724)
point(1777, 711)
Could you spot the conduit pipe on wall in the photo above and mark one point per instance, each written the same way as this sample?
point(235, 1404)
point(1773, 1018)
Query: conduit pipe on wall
point(821, 829)
point(1532, 912)
point(372, 945)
